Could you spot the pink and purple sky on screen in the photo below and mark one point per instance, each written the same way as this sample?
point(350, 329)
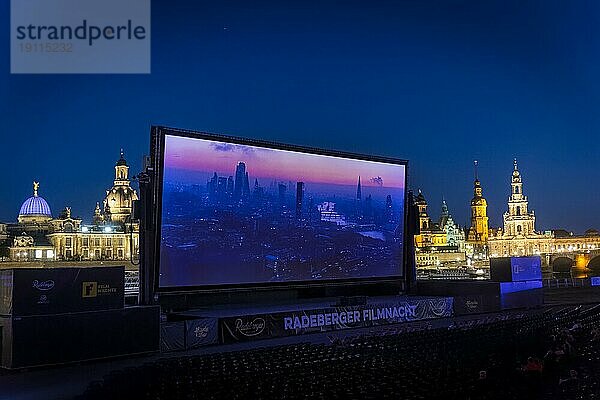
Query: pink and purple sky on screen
point(201, 155)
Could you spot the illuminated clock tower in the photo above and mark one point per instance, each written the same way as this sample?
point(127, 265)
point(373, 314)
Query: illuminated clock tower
point(478, 233)
point(518, 221)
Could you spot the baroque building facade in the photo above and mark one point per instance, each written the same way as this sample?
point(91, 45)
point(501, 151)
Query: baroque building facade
point(440, 243)
point(437, 245)
point(113, 235)
point(478, 233)
point(558, 249)
point(518, 236)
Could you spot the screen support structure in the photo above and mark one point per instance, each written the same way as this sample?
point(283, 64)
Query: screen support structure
point(148, 193)
point(146, 233)
point(410, 273)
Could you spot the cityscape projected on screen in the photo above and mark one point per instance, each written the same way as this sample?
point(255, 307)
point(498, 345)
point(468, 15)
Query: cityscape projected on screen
point(241, 214)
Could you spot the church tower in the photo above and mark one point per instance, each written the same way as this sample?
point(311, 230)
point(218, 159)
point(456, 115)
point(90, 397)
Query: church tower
point(121, 171)
point(424, 220)
point(478, 233)
point(119, 199)
point(518, 221)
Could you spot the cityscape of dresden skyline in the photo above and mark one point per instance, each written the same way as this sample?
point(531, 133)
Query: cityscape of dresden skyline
point(283, 200)
point(505, 91)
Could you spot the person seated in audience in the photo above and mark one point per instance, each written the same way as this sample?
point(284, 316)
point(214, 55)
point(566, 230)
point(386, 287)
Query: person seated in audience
point(550, 366)
point(533, 365)
point(482, 389)
point(569, 386)
point(576, 327)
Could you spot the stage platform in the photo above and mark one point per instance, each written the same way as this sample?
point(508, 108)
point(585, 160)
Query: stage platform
point(224, 324)
point(229, 310)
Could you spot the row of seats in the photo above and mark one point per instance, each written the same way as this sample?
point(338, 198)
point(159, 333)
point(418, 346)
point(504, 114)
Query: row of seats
point(391, 362)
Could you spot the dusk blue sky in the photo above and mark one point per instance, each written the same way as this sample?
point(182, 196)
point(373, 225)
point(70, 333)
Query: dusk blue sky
point(440, 83)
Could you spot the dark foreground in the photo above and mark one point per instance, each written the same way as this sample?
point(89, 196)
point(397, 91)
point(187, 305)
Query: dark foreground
point(548, 353)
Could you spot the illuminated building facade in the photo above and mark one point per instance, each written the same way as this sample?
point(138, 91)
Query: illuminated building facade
point(518, 220)
point(28, 238)
point(439, 243)
point(3, 240)
point(119, 199)
point(518, 236)
point(113, 235)
point(559, 250)
point(478, 232)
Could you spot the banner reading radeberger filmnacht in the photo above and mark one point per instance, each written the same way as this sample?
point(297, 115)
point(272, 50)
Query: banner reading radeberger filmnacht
point(279, 324)
point(80, 36)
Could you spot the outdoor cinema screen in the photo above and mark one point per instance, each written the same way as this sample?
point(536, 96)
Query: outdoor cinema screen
point(239, 212)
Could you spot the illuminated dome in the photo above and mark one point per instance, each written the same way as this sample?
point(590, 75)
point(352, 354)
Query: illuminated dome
point(35, 205)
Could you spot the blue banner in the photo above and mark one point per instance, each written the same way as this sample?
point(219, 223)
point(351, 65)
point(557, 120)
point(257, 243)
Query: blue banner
point(266, 326)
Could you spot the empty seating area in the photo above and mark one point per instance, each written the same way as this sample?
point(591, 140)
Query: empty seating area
point(546, 354)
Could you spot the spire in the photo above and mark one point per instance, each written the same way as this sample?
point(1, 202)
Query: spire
point(121, 160)
point(358, 190)
point(98, 217)
point(445, 214)
point(36, 186)
point(420, 198)
point(444, 207)
point(477, 191)
point(516, 174)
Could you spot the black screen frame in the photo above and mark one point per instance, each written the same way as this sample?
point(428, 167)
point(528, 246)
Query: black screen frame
point(158, 135)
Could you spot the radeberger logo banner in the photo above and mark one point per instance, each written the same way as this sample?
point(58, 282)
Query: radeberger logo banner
point(80, 36)
point(43, 285)
point(252, 327)
point(405, 312)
